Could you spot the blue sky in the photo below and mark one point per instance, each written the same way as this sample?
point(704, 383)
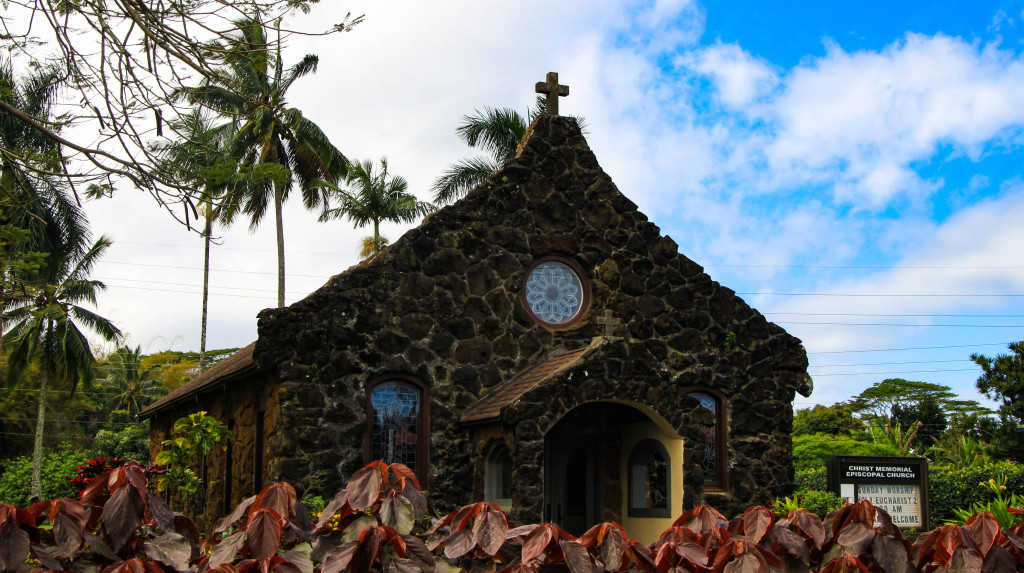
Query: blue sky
point(850, 168)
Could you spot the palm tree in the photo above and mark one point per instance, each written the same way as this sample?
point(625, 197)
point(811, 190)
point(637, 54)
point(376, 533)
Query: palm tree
point(128, 386)
point(498, 132)
point(46, 328)
point(37, 213)
point(375, 197)
point(252, 90)
point(202, 157)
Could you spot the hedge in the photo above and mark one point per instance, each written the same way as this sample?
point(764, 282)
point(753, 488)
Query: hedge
point(951, 487)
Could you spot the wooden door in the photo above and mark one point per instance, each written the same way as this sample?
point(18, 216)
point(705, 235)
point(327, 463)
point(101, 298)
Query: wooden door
point(573, 483)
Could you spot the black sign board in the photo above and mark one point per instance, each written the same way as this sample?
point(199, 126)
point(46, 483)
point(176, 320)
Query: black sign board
point(897, 485)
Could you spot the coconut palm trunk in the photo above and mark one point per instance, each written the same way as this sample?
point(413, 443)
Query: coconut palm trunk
point(279, 216)
point(36, 487)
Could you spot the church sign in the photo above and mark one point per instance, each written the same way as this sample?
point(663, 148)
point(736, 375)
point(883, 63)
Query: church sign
point(897, 485)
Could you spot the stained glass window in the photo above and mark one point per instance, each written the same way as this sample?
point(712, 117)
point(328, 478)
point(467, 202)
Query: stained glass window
point(554, 292)
point(394, 427)
point(710, 461)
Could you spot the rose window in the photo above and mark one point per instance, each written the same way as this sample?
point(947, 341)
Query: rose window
point(554, 292)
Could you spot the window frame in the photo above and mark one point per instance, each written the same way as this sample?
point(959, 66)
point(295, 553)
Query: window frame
point(491, 480)
point(720, 484)
point(643, 447)
point(584, 286)
point(422, 421)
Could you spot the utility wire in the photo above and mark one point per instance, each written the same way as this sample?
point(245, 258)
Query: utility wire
point(840, 294)
point(904, 324)
point(851, 267)
point(887, 363)
point(1003, 344)
point(888, 372)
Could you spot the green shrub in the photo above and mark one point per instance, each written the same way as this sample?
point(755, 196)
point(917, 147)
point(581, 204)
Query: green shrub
point(813, 450)
point(130, 443)
point(314, 503)
point(954, 487)
point(817, 502)
point(59, 467)
point(812, 479)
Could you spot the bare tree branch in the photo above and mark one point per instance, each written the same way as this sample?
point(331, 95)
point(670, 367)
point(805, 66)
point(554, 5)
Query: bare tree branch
point(125, 60)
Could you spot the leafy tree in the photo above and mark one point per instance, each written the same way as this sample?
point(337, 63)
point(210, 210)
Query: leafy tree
point(46, 329)
point(931, 416)
point(37, 214)
point(878, 401)
point(1002, 380)
point(813, 450)
point(203, 158)
point(128, 385)
point(496, 131)
point(376, 196)
point(252, 89)
point(837, 419)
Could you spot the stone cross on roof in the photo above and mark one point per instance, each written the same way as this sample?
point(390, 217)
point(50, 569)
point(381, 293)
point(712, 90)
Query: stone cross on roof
point(552, 90)
point(609, 322)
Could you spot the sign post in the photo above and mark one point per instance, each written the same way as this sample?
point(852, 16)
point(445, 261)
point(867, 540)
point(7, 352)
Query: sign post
point(897, 485)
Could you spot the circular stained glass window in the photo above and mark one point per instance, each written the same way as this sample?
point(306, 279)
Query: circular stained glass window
point(554, 292)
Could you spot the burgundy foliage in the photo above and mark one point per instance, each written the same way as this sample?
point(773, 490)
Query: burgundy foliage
point(385, 524)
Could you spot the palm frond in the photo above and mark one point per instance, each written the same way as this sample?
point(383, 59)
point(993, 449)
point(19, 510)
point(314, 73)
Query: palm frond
point(495, 130)
point(462, 177)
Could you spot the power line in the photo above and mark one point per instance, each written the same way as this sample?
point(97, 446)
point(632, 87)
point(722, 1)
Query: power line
point(867, 267)
point(230, 295)
point(886, 373)
point(300, 293)
point(221, 247)
point(838, 294)
point(61, 436)
point(48, 420)
point(212, 269)
point(887, 363)
point(896, 315)
point(830, 267)
point(911, 348)
point(903, 324)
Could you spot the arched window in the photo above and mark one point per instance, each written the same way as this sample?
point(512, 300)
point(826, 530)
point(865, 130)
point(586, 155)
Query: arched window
point(396, 420)
point(714, 440)
point(498, 476)
point(650, 480)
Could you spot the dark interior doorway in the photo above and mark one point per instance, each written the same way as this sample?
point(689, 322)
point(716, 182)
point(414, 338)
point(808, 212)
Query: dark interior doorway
point(582, 463)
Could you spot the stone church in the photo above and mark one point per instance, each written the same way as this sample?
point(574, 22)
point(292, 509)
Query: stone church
point(539, 344)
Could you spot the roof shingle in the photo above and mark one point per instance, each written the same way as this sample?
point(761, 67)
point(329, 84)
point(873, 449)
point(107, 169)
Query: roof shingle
point(490, 406)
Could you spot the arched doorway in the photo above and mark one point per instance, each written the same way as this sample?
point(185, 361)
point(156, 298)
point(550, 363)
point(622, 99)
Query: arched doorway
point(612, 461)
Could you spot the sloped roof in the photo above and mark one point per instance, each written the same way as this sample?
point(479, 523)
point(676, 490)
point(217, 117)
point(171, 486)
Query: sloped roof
point(489, 407)
point(231, 365)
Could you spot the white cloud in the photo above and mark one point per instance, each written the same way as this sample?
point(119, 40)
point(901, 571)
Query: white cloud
point(971, 256)
point(861, 119)
point(739, 78)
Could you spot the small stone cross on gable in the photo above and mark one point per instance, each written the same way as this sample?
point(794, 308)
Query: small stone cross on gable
point(553, 91)
point(609, 322)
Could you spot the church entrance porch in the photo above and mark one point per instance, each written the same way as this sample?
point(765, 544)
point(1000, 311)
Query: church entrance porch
point(611, 461)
